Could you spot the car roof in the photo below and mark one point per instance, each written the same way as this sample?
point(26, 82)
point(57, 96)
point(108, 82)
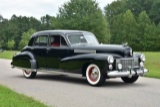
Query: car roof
point(61, 32)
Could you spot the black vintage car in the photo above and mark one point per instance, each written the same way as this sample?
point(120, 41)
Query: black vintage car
point(75, 51)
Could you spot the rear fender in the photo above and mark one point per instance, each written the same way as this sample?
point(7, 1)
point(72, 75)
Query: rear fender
point(24, 60)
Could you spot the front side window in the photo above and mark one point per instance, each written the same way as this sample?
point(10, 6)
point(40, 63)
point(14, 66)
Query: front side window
point(55, 41)
point(41, 41)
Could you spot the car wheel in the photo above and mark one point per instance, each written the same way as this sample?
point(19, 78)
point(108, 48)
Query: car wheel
point(29, 74)
point(94, 75)
point(130, 80)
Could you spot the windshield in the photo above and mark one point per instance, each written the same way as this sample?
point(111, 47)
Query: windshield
point(79, 38)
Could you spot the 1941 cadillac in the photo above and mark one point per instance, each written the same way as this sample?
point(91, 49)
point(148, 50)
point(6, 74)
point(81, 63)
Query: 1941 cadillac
point(75, 51)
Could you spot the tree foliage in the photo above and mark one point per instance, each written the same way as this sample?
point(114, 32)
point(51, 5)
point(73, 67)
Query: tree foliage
point(14, 28)
point(83, 15)
point(25, 38)
point(135, 22)
point(10, 44)
point(154, 13)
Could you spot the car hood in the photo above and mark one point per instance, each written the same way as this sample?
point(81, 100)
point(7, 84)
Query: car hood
point(115, 50)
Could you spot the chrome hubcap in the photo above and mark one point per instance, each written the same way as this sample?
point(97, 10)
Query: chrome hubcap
point(93, 74)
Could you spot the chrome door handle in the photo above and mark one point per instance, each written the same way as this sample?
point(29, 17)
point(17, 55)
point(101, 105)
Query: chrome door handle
point(48, 49)
point(32, 48)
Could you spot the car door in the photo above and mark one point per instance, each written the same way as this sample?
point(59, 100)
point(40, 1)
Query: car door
point(57, 50)
point(40, 50)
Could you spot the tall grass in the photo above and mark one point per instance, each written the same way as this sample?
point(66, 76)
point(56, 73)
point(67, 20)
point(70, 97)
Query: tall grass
point(7, 54)
point(153, 64)
point(9, 98)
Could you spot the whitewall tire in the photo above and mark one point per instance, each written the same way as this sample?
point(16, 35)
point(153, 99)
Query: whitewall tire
point(94, 75)
point(29, 74)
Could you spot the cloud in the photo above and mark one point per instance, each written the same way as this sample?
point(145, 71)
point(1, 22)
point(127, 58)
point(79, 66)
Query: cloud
point(35, 8)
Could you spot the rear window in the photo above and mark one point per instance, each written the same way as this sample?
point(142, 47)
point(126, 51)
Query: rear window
point(41, 41)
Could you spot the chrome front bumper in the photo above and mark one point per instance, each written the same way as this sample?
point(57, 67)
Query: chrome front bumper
point(130, 73)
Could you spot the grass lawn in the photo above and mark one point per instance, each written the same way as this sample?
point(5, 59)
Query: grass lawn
point(153, 64)
point(7, 54)
point(9, 98)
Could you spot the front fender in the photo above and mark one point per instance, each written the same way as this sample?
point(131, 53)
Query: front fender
point(24, 60)
point(78, 63)
point(137, 55)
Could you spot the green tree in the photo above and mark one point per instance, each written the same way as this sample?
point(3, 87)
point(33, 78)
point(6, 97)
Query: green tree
point(144, 33)
point(143, 22)
point(154, 13)
point(157, 40)
point(151, 38)
point(54, 23)
point(115, 8)
point(83, 15)
point(13, 29)
point(137, 6)
point(124, 28)
point(116, 29)
point(46, 22)
point(25, 38)
point(129, 27)
point(11, 44)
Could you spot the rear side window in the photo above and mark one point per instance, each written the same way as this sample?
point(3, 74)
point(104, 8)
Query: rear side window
point(57, 41)
point(41, 41)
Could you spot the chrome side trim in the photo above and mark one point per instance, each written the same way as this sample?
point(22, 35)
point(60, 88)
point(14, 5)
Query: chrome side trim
point(59, 72)
point(50, 71)
point(131, 73)
point(84, 51)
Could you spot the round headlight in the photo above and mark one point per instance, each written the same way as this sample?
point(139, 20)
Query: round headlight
point(110, 59)
point(119, 66)
point(142, 57)
point(141, 64)
point(110, 67)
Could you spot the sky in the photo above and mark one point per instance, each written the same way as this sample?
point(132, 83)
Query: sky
point(36, 8)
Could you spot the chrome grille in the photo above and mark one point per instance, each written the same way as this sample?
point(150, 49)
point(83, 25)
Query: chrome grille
point(128, 63)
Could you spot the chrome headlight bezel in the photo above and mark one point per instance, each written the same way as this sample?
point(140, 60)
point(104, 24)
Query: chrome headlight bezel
point(142, 64)
point(110, 59)
point(142, 58)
